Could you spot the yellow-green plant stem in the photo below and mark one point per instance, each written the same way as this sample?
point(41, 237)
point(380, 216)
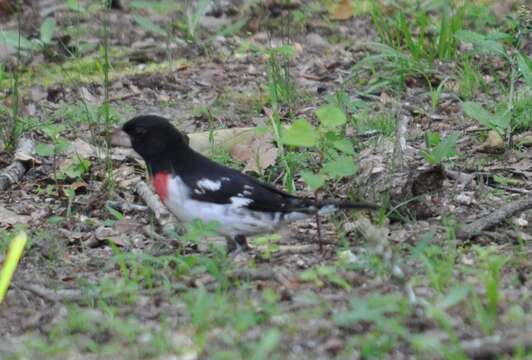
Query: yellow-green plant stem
point(10, 264)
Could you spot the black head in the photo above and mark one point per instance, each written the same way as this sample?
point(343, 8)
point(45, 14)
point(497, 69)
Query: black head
point(153, 136)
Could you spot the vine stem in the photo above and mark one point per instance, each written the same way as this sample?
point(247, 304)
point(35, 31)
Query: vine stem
point(106, 106)
point(511, 101)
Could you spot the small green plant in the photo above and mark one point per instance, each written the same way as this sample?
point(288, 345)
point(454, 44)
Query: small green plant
point(389, 67)
point(46, 33)
point(385, 314)
point(43, 43)
point(71, 195)
point(58, 146)
point(3, 74)
point(470, 79)
point(413, 33)
point(280, 89)
point(491, 266)
point(334, 148)
point(439, 150)
point(149, 25)
point(321, 275)
point(197, 230)
point(438, 261)
point(369, 122)
point(281, 84)
point(410, 43)
point(435, 94)
point(269, 244)
point(266, 346)
point(9, 132)
point(499, 122)
point(195, 11)
point(207, 310)
point(161, 7)
point(438, 311)
point(98, 332)
point(505, 119)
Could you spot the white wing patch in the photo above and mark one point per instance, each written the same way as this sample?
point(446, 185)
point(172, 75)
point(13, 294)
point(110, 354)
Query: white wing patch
point(237, 201)
point(206, 184)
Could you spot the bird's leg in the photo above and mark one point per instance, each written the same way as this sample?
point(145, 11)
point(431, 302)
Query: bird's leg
point(237, 243)
point(242, 242)
point(318, 227)
point(230, 244)
point(318, 224)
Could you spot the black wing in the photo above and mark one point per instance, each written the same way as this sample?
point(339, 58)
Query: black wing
point(222, 185)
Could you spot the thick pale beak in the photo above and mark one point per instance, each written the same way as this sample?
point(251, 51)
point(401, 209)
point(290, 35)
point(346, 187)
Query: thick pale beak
point(120, 138)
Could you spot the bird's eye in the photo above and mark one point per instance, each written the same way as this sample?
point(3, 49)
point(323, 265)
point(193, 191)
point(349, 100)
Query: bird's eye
point(140, 131)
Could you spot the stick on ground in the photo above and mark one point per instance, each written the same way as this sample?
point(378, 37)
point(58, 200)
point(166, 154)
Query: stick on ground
point(493, 347)
point(162, 215)
point(22, 161)
point(496, 217)
point(59, 295)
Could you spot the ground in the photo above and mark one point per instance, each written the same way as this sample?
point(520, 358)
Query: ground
point(394, 112)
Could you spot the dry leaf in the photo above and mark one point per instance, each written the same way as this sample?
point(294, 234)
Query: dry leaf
point(524, 139)
point(81, 148)
point(258, 154)
point(87, 96)
point(225, 138)
point(493, 144)
point(343, 11)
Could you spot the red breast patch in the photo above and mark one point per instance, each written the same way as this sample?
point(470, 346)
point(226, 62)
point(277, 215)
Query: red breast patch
point(160, 183)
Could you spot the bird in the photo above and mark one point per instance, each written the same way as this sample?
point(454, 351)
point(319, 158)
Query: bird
point(192, 186)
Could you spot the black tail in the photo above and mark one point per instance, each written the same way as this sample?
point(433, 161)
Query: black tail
point(329, 206)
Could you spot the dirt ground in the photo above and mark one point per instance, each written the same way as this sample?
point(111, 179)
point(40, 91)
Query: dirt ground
point(102, 279)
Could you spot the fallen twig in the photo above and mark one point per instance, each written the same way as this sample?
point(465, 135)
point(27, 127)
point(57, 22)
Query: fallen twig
point(253, 274)
point(461, 177)
point(52, 295)
point(22, 160)
point(149, 232)
point(401, 130)
point(510, 188)
point(496, 217)
point(162, 215)
point(125, 206)
point(495, 346)
point(295, 249)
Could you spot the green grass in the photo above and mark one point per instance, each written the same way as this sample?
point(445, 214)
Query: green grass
point(367, 121)
point(87, 69)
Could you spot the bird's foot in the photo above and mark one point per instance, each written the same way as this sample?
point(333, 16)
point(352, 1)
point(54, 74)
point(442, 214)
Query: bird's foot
point(237, 245)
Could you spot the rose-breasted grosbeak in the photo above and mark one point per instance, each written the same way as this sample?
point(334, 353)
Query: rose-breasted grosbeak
point(195, 187)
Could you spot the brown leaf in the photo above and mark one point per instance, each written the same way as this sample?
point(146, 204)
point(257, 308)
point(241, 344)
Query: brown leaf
point(257, 154)
point(493, 144)
point(81, 148)
point(524, 139)
point(88, 96)
point(343, 11)
point(225, 138)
